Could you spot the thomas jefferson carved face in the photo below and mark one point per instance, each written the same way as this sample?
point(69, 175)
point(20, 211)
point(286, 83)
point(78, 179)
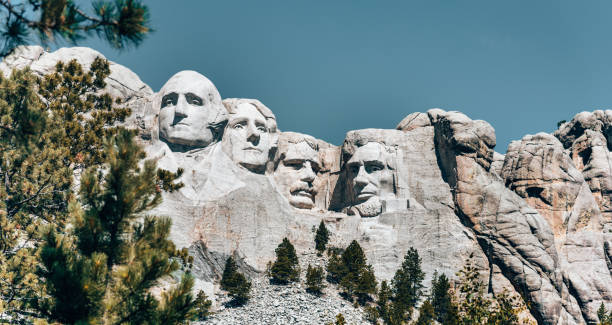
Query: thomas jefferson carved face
point(370, 178)
point(191, 111)
point(296, 171)
point(247, 139)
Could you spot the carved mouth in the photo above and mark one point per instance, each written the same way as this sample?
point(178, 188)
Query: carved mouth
point(307, 193)
point(251, 149)
point(365, 195)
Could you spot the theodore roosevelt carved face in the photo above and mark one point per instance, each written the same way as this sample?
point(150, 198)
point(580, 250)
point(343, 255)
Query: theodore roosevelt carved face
point(250, 134)
point(296, 166)
point(191, 113)
point(370, 177)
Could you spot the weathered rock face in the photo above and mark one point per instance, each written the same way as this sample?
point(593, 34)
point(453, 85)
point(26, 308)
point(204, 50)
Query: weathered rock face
point(536, 220)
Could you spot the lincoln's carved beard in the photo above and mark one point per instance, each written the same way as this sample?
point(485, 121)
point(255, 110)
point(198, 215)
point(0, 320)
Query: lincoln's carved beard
point(369, 208)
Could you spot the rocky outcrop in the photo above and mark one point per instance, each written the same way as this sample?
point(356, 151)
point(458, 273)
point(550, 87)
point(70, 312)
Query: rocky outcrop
point(535, 221)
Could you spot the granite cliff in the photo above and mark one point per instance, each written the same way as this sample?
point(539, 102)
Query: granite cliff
point(537, 220)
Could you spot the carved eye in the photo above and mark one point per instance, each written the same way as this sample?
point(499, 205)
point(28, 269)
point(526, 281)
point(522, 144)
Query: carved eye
point(194, 99)
point(261, 128)
point(294, 164)
point(239, 125)
point(374, 167)
point(169, 100)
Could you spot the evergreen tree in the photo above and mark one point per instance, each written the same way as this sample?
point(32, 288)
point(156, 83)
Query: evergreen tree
point(506, 310)
point(474, 306)
point(235, 283)
point(335, 267)
point(605, 317)
point(441, 298)
point(286, 268)
point(321, 238)
point(384, 301)
point(203, 305)
point(350, 270)
point(340, 319)
point(102, 271)
point(407, 285)
point(314, 279)
point(50, 128)
point(426, 314)
point(120, 23)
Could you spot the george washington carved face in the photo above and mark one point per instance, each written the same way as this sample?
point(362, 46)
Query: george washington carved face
point(191, 113)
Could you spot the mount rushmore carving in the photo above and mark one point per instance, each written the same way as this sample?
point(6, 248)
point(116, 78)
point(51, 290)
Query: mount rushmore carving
point(536, 220)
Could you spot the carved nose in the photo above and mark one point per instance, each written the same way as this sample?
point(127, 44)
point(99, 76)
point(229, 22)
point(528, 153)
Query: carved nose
point(361, 178)
point(308, 174)
point(181, 108)
point(252, 135)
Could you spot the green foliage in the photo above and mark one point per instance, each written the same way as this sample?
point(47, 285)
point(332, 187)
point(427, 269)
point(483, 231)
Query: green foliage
point(383, 303)
point(350, 270)
point(314, 279)
point(50, 128)
point(473, 306)
point(286, 268)
point(103, 270)
point(203, 305)
point(407, 285)
point(235, 283)
point(340, 319)
point(426, 314)
point(441, 299)
point(122, 23)
point(605, 317)
point(321, 238)
point(561, 123)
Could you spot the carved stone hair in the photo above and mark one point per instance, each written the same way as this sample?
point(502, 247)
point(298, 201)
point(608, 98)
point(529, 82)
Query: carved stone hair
point(285, 139)
point(232, 103)
point(356, 139)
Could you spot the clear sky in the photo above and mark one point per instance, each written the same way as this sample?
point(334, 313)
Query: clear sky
point(326, 67)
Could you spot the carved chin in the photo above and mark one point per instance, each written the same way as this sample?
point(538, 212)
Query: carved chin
point(369, 208)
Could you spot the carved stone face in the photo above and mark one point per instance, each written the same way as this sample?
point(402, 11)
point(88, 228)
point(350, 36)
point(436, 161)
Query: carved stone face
point(370, 178)
point(296, 172)
point(247, 138)
point(191, 108)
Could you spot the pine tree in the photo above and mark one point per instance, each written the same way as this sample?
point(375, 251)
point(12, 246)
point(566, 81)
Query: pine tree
point(474, 306)
point(441, 298)
point(335, 268)
point(350, 270)
point(103, 270)
point(321, 238)
point(407, 285)
point(286, 268)
point(235, 283)
point(314, 279)
point(384, 301)
point(426, 314)
point(50, 127)
point(202, 306)
point(605, 317)
point(340, 319)
point(120, 23)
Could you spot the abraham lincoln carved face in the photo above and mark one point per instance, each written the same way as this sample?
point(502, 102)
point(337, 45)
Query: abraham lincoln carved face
point(370, 177)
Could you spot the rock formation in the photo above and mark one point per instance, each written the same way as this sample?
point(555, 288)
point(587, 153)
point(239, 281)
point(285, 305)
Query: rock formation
point(537, 221)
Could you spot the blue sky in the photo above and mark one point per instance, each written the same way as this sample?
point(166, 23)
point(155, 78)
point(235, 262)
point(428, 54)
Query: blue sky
point(327, 67)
